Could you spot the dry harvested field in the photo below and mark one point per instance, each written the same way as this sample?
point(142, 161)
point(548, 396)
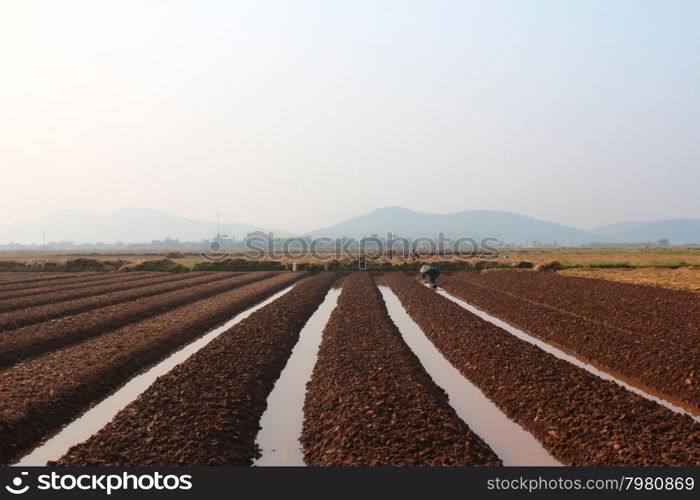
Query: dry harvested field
point(685, 278)
point(634, 256)
point(75, 343)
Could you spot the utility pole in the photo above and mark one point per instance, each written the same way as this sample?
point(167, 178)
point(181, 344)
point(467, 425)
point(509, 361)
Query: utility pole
point(44, 240)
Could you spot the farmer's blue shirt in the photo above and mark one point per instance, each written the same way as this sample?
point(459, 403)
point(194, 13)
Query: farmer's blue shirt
point(433, 272)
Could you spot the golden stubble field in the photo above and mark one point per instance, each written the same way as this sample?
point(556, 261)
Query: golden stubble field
point(677, 279)
point(673, 256)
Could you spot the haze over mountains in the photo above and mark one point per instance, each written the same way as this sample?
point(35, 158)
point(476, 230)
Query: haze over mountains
point(131, 225)
point(510, 228)
point(134, 225)
point(506, 226)
point(678, 231)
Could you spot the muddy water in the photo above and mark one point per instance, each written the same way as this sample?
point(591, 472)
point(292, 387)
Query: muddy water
point(100, 415)
point(513, 444)
point(282, 422)
point(570, 357)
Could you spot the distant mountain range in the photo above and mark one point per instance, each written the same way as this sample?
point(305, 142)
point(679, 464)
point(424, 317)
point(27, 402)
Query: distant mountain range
point(133, 225)
point(509, 227)
point(675, 230)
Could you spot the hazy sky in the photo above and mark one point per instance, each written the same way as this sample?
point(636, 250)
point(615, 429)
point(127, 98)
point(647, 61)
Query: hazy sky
point(296, 114)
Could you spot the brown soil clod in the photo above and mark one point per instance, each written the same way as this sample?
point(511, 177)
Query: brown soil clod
point(574, 414)
point(54, 305)
point(22, 343)
point(370, 402)
point(645, 334)
point(207, 410)
point(41, 394)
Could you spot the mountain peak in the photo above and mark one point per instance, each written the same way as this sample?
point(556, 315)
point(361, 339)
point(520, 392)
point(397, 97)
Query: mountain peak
point(139, 210)
point(390, 210)
point(506, 226)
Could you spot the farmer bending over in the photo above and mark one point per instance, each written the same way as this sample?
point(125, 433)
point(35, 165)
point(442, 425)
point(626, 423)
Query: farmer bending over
point(430, 274)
